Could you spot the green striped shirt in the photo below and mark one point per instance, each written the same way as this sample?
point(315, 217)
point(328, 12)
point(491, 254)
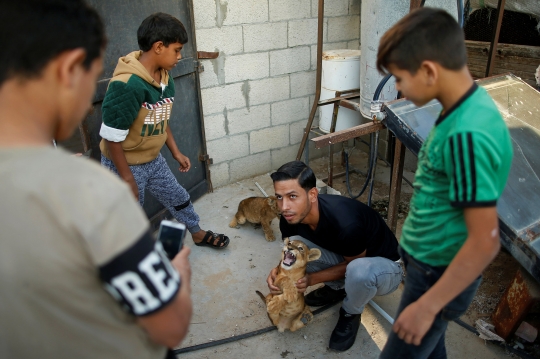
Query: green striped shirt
point(464, 162)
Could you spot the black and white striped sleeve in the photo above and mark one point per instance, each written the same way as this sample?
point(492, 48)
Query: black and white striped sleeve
point(141, 278)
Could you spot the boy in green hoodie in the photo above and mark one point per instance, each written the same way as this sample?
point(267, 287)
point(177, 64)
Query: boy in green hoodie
point(136, 113)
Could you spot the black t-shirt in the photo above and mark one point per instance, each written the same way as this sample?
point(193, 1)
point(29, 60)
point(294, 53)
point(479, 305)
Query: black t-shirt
point(347, 227)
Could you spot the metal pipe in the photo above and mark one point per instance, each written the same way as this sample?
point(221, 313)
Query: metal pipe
point(381, 311)
point(495, 39)
point(318, 80)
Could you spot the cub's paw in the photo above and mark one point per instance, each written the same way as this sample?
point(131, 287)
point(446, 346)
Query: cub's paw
point(306, 318)
point(270, 238)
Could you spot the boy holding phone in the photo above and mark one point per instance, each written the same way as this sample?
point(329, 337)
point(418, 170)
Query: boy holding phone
point(80, 274)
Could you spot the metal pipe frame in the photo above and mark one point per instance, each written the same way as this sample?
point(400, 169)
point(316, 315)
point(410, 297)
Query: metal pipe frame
point(320, 25)
point(495, 39)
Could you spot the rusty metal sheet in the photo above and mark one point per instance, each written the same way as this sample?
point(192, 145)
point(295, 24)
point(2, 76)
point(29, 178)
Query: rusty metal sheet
point(522, 293)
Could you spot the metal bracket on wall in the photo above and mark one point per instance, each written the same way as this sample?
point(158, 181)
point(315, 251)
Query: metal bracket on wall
point(204, 55)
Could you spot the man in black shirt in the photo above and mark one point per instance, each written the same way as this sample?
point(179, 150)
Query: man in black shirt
point(359, 252)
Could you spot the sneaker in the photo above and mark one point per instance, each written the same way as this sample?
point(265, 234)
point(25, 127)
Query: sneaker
point(344, 333)
point(324, 295)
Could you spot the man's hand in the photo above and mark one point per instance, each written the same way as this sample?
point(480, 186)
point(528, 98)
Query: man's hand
point(303, 283)
point(270, 281)
point(184, 162)
point(413, 323)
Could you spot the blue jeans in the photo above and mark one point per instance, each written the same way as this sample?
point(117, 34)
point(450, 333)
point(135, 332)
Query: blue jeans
point(364, 279)
point(420, 278)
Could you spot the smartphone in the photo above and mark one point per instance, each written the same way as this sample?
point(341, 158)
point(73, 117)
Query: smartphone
point(171, 235)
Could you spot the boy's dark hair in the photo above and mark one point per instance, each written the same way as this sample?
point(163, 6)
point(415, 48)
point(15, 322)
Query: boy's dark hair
point(160, 27)
point(296, 170)
point(33, 32)
point(424, 34)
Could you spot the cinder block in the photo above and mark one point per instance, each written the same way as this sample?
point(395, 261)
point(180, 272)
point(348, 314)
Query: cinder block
point(287, 9)
point(250, 166)
point(331, 8)
point(228, 148)
point(263, 37)
point(226, 39)
point(289, 60)
point(214, 126)
point(209, 77)
point(269, 138)
point(204, 12)
point(343, 28)
point(245, 120)
point(268, 90)
point(354, 44)
point(297, 132)
point(303, 32)
point(280, 156)
point(246, 67)
point(303, 83)
point(219, 174)
point(354, 7)
point(290, 110)
point(215, 99)
point(245, 12)
point(326, 47)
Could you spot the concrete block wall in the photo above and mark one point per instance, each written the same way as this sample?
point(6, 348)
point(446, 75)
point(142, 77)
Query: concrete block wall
point(258, 93)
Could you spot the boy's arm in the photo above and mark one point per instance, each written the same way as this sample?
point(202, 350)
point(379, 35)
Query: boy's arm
point(119, 159)
point(169, 325)
point(481, 246)
point(184, 162)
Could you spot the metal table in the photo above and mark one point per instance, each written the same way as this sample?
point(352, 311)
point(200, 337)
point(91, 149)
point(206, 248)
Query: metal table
point(519, 206)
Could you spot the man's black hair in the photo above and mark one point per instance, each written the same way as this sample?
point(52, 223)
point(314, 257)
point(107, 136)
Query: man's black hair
point(33, 32)
point(160, 27)
point(297, 170)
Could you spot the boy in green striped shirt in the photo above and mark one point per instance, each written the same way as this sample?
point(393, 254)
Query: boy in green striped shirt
point(451, 233)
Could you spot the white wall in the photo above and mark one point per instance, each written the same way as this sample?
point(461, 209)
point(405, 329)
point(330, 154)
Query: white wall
point(257, 94)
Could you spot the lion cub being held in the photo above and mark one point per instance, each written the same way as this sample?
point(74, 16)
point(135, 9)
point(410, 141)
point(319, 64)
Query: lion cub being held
point(257, 210)
point(288, 309)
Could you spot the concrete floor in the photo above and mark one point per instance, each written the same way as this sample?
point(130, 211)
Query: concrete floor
point(226, 305)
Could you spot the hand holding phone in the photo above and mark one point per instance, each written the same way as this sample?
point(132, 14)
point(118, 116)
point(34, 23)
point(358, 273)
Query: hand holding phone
point(171, 235)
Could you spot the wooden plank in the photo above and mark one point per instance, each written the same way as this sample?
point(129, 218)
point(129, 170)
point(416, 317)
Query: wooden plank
point(347, 134)
point(505, 49)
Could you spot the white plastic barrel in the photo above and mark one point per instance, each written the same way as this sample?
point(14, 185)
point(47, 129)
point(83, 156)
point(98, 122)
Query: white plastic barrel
point(340, 72)
point(377, 17)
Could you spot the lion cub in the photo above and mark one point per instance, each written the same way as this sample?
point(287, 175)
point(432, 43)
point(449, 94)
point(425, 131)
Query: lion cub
point(257, 210)
point(288, 309)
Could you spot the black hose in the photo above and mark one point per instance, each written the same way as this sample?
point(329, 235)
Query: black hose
point(368, 175)
point(241, 336)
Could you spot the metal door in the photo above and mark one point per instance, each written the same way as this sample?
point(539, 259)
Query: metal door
point(122, 19)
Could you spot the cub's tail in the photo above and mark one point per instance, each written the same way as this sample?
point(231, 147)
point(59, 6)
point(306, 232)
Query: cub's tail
point(262, 296)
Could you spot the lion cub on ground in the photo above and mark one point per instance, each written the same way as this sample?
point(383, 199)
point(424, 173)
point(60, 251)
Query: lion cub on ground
point(257, 210)
point(288, 309)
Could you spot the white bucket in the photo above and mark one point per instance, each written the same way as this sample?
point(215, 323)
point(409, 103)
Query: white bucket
point(340, 72)
point(340, 69)
point(346, 118)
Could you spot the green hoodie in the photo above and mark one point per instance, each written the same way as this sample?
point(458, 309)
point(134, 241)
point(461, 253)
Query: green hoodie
point(136, 110)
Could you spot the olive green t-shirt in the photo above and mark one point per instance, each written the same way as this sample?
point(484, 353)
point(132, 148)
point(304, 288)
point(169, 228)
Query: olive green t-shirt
point(464, 162)
point(77, 262)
